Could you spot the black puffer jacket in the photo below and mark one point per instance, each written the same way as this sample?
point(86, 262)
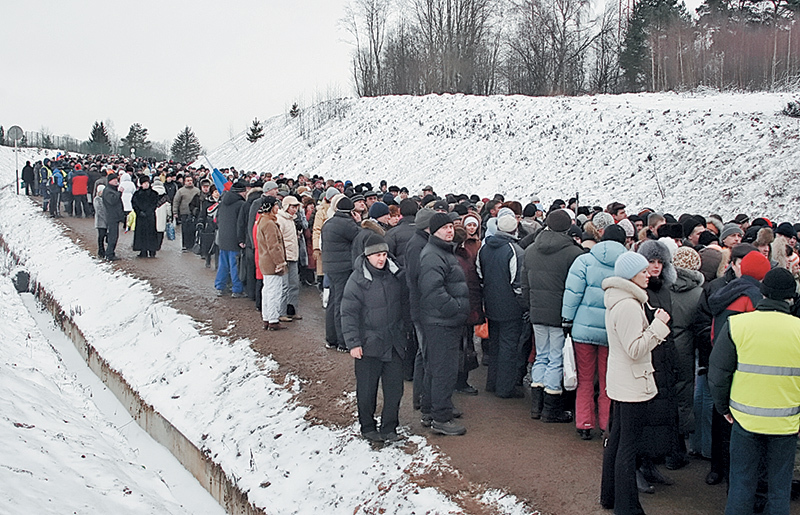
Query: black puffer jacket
point(228, 237)
point(444, 295)
point(547, 263)
point(372, 310)
point(398, 237)
point(338, 234)
point(411, 262)
point(500, 265)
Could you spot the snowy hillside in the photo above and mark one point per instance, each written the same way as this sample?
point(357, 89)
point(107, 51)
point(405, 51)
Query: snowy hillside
point(711, 152)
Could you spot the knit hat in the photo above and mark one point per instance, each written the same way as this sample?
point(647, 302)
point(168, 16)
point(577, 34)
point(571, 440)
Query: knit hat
point(423, 218)
point(374, 244)
point(687, 258)
point(144, 178)
point(674, 231)
point(755, 265)
point(408, 207)
point(558, 221)
point(267, 203)
point(614, 233)
point(112, 176)
point(271, 185)
point(239, 186)
point(707, 238)
point(329, 193)
point(786, 229)
point(779, 284)
point(438, 220)
point(507, 224)
point(529, 211)
point(741, 218)
point(471, 219)
point(627, 226)
point(689, 224)
point(602, 220)
point(345, 204)
point(378, 209)
point(729, 230)
point(629, 264)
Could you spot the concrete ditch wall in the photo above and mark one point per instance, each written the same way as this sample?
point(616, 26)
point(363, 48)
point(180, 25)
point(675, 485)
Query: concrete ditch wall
point(202, 467)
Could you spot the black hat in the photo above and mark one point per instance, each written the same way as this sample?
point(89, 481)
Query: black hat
point(786, 229)
point(441, 205)
point(741, 250)
point(344, 204)
point(779, 284)
point(438, 220)
point(529, 211)
point(112, 176)
point(689, 224)
point(267, 203)
point(378, 209)
point(614, 233)
point(408, 207)
point(239, 186)
point(741, 218)
point(461, 209)
point(144, 178)
point(674, 231)
point(374, 244)
point(558, 220)
point(370, 194)
point(427, 199)
point(707, 238)
point(357, 197)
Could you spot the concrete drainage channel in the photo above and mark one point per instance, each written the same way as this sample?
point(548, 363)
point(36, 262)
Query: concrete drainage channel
point(209, 474)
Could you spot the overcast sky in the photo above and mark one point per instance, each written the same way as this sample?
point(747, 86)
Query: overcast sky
point(212, 65)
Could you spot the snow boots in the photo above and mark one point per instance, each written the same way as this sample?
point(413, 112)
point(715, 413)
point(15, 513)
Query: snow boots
point(537, 393)
point(553, 409)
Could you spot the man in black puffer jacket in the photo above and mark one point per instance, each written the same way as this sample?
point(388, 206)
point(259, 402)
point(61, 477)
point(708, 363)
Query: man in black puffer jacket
point(230, 240)
point(338, 234)
point(444, 307)
point(372, 324)
point(547, 263)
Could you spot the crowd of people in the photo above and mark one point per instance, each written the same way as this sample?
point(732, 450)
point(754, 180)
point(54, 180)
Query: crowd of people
point(684, 329)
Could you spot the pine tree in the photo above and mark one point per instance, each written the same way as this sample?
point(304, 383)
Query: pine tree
point(294, 112)
point(137, 139)
point(256, 131)
point(99, 142)
point(47, 141)
point(186, 146)
point(2, 136)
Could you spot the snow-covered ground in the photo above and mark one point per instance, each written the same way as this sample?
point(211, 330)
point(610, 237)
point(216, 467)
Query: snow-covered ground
point(218, 393)
point(61, 454)
point(709, 152)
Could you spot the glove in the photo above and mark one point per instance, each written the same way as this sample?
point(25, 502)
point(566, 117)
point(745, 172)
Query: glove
point(566, 325)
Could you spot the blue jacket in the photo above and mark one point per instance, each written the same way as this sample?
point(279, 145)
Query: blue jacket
point(583, 292)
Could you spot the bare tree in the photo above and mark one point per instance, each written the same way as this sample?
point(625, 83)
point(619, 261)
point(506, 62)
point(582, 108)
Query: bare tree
point(366, 20)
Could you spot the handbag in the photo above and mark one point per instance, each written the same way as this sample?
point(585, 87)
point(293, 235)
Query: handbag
point(570, 367)
point(170, 231)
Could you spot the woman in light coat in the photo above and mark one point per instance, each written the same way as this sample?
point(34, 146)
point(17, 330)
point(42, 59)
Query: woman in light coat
point(629, 380)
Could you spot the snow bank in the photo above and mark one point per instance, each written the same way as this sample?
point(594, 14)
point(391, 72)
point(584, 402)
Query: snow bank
point(710, 152)
point(218, 393)
point(59, 453)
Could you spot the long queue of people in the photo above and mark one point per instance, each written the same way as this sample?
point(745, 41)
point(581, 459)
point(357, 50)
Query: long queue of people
point(684, 330)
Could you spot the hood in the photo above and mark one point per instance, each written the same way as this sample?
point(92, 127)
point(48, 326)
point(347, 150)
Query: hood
point(158, 187)
point(499, 239)
point(687, 280)
point(373, 226)
point(607, 252)
point(618, 289)
point(723, 298)
point(550, 242)
point(230, 198)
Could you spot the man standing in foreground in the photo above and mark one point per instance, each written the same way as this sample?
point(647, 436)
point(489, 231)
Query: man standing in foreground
point(112, 203)
point(754, 375)
point(444, 306)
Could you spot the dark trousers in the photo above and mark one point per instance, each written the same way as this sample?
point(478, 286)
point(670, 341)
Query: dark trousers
point(720, 444)
point(333, 315)
point(101, 241)
point(29, 188)
point(618, 484)
point(419, 365)
point(411, 353)
point(441, 347)
point(250, 272)
point(504, 356)
point(112, 238)
point(81, 205)
point(187, 231)
point(55, 201)
point(370, 371)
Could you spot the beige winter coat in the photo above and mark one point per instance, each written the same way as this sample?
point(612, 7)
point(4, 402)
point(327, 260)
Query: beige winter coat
point(630, 341)
point(289, 232)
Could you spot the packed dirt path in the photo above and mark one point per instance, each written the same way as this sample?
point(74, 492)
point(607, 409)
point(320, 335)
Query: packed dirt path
point(545, 465)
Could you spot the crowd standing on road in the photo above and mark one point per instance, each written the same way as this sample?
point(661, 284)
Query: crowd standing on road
point(683, 332)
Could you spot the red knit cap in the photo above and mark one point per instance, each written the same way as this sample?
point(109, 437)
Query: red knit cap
point(755, 265)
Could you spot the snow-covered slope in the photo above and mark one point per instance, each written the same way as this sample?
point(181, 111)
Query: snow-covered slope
point(709, 152)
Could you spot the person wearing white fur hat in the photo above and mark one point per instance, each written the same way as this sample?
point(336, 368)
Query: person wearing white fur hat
point(629, 380)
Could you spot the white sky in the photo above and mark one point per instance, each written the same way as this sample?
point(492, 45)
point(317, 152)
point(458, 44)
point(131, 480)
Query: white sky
point(212, 65)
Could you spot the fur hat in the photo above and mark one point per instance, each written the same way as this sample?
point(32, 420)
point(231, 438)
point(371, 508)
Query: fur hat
point(602, 220)
point(755, 265)
point(378, 209)
point(439, 220)
point(687, 258)
point(629, 264)
point(656, 250)
point(779, 284)
point(558, 221)
point(375, 244)
point(730, 230)
point(507, 224)
point(765, 237)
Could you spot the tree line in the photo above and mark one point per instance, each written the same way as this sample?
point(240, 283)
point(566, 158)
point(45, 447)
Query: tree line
point(184, 148)
point(561, 47)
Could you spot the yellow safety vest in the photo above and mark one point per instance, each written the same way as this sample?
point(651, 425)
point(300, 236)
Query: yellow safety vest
point(765, 393)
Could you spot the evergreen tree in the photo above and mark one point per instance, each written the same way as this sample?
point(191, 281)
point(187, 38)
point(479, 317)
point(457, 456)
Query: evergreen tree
point(99, 142)
point(47, 141)
point(24, 141)
point(294, 112)
point(2, 136)
point(137, 139)
point(186, 146)
point(256, 131)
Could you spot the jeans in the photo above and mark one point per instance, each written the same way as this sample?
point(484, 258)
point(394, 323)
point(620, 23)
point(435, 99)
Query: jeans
point(271, 297)
point(591, 359)
point(548, 368)
point(228, 269)
point(291, 287)
point(700, 439)
point(504, 335)
point(747, 450)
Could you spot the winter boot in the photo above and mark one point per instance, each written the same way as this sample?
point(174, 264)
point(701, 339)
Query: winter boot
point(553, 409)
point(537, 393)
